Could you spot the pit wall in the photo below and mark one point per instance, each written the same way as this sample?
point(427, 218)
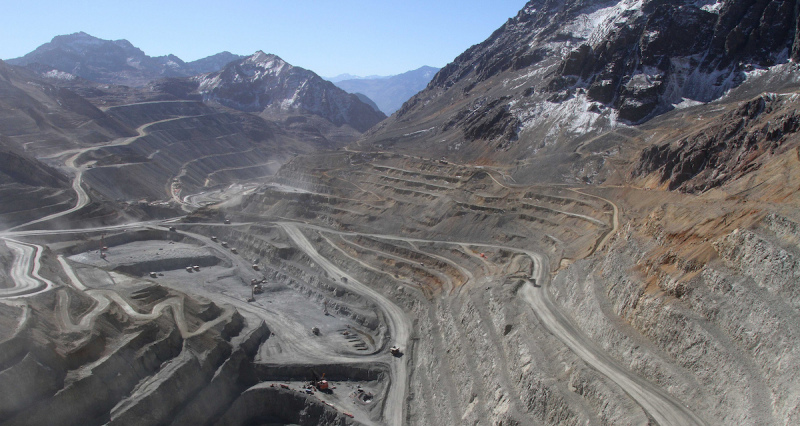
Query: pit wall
point(479, 356)
point(285, 407)
point(94, 241)
point(367, 372)
point(721, 338)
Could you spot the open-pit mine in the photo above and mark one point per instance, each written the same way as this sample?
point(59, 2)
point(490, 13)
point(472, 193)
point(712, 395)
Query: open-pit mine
point(580, 221)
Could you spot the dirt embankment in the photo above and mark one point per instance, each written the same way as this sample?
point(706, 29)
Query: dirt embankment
point(119, 369)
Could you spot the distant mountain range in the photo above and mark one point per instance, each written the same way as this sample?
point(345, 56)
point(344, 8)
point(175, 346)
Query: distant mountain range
point(115, 62)
point(214, 62)
point(120, 62)
point(390, 92)
point(346, 76)
point(262, 84)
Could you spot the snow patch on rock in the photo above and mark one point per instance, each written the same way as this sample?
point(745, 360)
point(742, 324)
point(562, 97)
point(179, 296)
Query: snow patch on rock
point(712, 6)
point(59, 75)
point(595, 26)
point(575, 116)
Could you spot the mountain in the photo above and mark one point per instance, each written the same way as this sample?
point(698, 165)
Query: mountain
point(564, 70)
point(142, 141)
point(266, 84)
point(115, 62)
point(214, 62)
point(587, 253)
point(346, 76)
point(389, 93)
point(41, 117)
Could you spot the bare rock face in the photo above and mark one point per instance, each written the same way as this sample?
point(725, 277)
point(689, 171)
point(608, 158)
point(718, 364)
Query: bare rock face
point(737, 143)
point(265, 82)
point(648, 59)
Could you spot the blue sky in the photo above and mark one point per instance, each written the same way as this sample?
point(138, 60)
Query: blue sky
point(361, 37)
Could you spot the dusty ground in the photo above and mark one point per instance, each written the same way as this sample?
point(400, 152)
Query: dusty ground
point(511, 302)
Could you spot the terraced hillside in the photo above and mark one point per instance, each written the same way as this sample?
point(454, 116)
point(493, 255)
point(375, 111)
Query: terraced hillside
point(184, 147)
point(431, 273)
point(559, 303)
point(510, 302)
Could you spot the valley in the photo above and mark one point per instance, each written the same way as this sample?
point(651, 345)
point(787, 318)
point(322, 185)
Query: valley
point(541, 236)
point(332, 258)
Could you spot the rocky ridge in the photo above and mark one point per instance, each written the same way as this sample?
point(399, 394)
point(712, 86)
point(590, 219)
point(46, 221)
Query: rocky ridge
point(559, 71)
point(268, 85)
point(115, 62)
point(214, 62)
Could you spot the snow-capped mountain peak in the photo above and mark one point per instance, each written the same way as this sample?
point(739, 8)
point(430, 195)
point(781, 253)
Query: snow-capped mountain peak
point(563, 68)
point(266, 83)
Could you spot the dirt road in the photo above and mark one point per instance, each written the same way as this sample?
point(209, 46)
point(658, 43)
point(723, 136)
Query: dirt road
point(104, 298)
point(662, 407)
point(398, 322)
point(665, 409)
point(25, 270)
point(82, 197)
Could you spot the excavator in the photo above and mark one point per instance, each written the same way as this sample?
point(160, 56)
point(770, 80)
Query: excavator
point(319, 382)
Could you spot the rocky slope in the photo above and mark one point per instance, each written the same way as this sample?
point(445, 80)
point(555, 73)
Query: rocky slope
point(187, 147)
point(147, 148)
point(390, 93)
point(732, 146)
point(672, 259)
point(559, 71)
point(690, 293)
point(115, 62)
point(121, 367)
point(38, 119)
